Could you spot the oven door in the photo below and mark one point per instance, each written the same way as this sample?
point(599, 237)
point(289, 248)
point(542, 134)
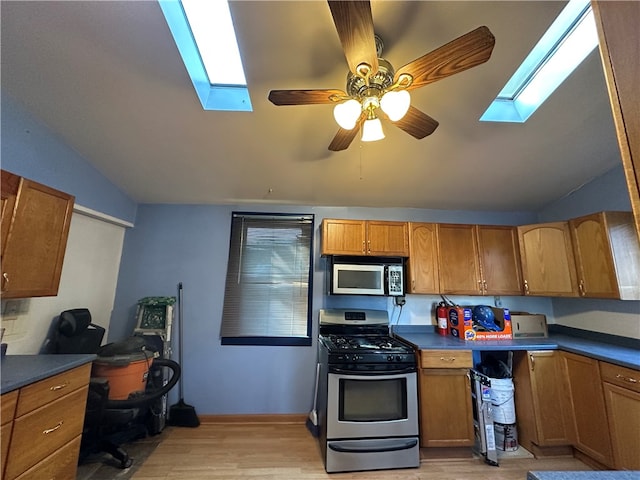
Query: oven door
point(362, 405)
point(351, 279)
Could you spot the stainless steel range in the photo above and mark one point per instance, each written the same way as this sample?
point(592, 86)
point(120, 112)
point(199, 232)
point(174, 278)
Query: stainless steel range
point(368, 394)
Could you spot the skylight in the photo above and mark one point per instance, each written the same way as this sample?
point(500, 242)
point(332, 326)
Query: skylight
point(566, 43)
point(205, 37)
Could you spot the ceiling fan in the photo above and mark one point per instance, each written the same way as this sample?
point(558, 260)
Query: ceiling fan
point(374, 90)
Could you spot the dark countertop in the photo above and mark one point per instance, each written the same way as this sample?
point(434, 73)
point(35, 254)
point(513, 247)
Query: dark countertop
point(20, 370)
point(585, 475)
point(618, 350)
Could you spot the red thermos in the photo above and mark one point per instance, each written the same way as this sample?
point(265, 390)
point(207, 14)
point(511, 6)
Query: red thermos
point(441, 315)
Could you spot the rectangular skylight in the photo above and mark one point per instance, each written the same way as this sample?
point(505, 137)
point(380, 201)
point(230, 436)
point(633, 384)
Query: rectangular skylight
point(566, 43)
point(205, 37)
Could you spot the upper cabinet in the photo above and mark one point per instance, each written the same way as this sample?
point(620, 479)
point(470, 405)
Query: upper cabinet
point(365, 237)
point(478, 260)
point(617, 25)
point(607, 255)
point(548, 265)
point(35, 226)
point(422, 267)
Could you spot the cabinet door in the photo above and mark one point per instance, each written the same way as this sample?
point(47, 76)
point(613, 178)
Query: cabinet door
point(458, 259)
point(343, 237)
point(446, 415)
point(499, 260)
point(8, 192)
point(36, 241)
point(594, 263)
point(423, 258)
point(589, 415)
point(548, 266)
point(617, 24)
point(387, 238)
point(622, 398)
point(540, 398)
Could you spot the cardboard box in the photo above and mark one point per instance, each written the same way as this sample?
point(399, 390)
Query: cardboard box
point(461, 325)
point(528, 325)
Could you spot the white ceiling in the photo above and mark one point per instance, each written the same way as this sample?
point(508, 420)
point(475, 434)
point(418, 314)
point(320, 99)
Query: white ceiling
point(107, 77)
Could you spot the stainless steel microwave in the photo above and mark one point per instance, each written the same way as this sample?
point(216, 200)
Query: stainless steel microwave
point(367, 277)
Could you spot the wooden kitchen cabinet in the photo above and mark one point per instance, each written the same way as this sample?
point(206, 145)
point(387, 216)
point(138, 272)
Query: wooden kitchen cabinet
point(607, 255)
point(47, 429)
point(422, 267)
point(541, 400)
point(548, 265)
point(587, 408)
point(365, 237)
point(446, 412)
point(35, 227)
point(622, 398)
point(8, 403)
point(617, 25)
point(478, 260)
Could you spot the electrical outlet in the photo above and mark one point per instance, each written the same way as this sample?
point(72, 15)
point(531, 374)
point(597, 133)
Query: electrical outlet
point(497, 301)
point(400, 301)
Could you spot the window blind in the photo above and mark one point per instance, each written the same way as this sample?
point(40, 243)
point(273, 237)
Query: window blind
point(267, 296)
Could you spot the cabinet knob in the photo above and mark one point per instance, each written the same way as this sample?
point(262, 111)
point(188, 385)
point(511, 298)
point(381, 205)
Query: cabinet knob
point(581, 288)
point(363, 250)
point(5, 277)
point(526, 287)
point(533, 362)
point(369, 246)
point(627, 379)
point(53, 429)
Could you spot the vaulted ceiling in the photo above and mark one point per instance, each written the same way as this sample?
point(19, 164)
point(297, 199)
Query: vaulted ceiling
point(107, 77)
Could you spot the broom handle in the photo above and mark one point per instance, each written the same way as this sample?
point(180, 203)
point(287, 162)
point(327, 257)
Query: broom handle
point(180, 330)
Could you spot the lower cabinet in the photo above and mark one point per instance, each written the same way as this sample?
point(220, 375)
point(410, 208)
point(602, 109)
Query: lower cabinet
point(446, 415)
point(588, 411)
point(622, 399)
point(541, 400)
point(46, 431)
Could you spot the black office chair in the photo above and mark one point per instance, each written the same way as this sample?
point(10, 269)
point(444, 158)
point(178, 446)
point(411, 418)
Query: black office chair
point(110, 423)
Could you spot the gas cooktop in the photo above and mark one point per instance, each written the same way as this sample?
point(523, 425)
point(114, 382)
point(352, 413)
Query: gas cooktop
point(368, 343)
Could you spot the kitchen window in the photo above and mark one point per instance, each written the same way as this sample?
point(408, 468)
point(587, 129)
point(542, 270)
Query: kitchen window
point(267, 298)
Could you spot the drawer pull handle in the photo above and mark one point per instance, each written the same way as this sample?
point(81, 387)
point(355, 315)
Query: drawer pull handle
point(627, 379)
point(448, 359)
point(51, 430)
point(55, 388)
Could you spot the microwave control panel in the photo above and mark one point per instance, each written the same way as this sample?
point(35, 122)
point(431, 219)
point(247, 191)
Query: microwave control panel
point(395, 280)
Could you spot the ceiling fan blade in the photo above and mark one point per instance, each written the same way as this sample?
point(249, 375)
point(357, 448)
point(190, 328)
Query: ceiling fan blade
point(303, 97)
point(354, 23)
point(344, 137)
point(456, 56)
point(416, 123)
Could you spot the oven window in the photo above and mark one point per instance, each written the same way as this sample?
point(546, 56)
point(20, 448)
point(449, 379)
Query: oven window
point(373, 400)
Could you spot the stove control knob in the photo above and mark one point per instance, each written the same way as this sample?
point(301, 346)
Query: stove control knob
point(389, 358)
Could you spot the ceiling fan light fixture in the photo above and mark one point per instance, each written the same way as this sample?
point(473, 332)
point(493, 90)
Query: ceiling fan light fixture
point(372, 130)
point(395, 104)
point(346, 114)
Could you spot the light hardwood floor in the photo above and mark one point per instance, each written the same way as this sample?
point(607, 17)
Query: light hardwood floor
point(289, 452)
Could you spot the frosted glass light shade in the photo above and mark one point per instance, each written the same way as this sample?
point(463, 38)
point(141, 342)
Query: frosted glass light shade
point(395, 104)
point(347, 113)
point(372, 130)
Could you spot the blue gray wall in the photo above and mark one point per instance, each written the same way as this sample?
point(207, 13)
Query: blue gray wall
point(30, 149)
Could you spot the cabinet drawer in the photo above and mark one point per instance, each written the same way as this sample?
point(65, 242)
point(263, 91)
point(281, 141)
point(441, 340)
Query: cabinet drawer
point(8, 403)
point(622, 376)
point(446, 359)
point(43, 431)
point(52, 388)
point(61, 465)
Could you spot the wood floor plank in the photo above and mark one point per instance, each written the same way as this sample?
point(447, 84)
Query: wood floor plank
point(289, 452)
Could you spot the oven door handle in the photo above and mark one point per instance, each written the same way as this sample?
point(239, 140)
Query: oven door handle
point(409, 444)
point(371, 373)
